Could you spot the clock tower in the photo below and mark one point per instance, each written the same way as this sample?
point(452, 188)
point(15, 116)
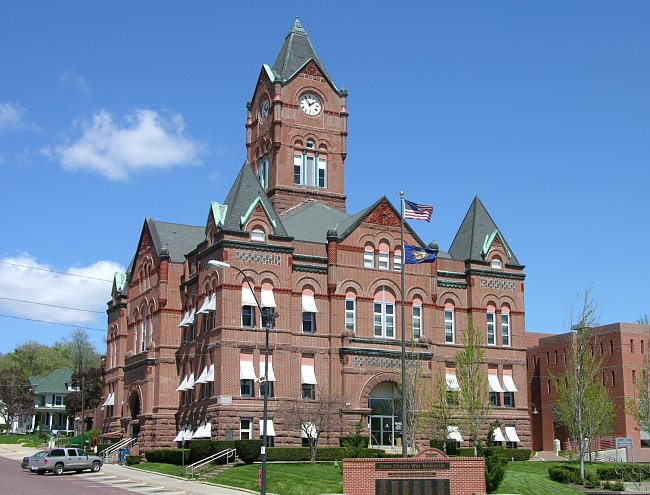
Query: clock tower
point(296, 128)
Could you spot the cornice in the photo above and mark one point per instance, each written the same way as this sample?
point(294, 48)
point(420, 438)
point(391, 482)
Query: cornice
point(309, 268)
point(495, 274)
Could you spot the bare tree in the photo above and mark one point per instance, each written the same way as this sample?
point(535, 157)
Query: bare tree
point(415, 392)
point(472, 377)
point(640, 405)
point(314, 419)
point(441, 407)
point(16, 396)
point(578, 389)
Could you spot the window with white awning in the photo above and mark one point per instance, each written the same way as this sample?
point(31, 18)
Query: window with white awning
point(493, 383)
point(268, 299)
point(212, 305)
point(498, 435)
point(182, 385)
point(307, 373)
point(110, 400)
point(204, 306)
point(184, 320)
point(202, 377)
point(270, 431)
point(210, 376)
point(452, 381)
point(308, 430)
point(271, 374)
point(247, 296)
point(308, 302)
point(508, 382)
point(511, 434)
point(453, 433)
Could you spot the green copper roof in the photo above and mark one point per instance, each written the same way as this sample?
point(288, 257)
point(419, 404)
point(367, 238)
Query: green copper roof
point(120, 281)
point(296, 51)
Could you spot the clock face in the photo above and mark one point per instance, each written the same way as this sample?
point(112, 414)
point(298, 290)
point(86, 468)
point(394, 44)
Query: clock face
point(264, 109)
point(310, 104)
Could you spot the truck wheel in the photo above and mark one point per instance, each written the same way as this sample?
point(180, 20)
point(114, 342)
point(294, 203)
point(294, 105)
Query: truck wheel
point(96, 466)
point(58, 469)
point(40, 471)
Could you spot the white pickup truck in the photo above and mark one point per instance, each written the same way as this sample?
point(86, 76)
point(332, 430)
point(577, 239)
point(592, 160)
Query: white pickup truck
point(59, 460)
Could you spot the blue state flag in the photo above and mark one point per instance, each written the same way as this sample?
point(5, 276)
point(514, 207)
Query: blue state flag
point(415, 255)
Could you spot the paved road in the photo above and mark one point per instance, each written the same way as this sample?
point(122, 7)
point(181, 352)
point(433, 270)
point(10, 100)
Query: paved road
point(111, 480)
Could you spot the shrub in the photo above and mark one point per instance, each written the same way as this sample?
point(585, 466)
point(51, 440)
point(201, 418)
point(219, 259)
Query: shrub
point(495, 467)
point(607, 473)
point(591, 481)
point(616, 486)
point(565, 474)
point(249, 450)
point(168, 456)
point(132, 459)
point(452, 446)
point(517, 454)
point(467, 452)
point(200, 449)
point(322, 453)
point(355, 444)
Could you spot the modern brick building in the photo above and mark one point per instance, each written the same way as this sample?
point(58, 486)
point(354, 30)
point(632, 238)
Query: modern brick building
point(185, 343)
point(622, 346)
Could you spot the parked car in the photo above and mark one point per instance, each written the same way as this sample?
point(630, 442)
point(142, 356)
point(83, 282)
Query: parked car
point(68, 459)
point(25, 461)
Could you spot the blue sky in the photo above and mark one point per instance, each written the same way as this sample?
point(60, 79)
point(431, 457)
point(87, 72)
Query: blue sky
point(111, 112)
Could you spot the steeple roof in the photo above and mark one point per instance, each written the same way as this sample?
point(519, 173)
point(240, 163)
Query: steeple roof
point(477, 230)
point(296, 51)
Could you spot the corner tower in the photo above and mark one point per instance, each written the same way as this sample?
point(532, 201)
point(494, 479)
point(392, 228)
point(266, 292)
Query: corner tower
point(296, 128)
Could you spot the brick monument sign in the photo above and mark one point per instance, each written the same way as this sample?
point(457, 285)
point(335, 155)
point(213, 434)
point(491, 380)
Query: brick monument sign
point(430, 472)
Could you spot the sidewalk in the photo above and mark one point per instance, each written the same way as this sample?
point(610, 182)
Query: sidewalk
point(170, 483)
point(547, 455)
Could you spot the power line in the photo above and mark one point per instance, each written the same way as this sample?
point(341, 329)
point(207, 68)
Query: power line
point(53, 323)
point(51, 305)
point(55, 271)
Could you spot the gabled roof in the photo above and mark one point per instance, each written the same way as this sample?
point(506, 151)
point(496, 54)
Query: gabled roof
point(345, 227)
point(178, 239)
point(311, 220)
point(295, 53)
point(245, 192)
point(477, 229)
point(119, 283)
point(56, 382)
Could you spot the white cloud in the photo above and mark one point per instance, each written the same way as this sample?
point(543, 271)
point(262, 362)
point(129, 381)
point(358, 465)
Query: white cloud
point(75, 81)
point(11, 116)
point(146, 140)
point(24, 278)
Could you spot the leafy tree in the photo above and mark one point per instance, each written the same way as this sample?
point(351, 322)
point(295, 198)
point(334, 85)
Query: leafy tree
point(579, 399)
point(472, 378)
point(81, 351)
point(640, 405)
point(91, 379)
point(314, 418)
point(34, 359)
point(415, 391)
point(441, 406)
point(16, 396)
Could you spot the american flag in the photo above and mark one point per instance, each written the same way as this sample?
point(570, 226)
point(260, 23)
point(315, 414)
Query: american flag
point(417, 211)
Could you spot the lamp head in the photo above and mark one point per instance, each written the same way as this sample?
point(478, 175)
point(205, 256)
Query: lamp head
point(218, 264)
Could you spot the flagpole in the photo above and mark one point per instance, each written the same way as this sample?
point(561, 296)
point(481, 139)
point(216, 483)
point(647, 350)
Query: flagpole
point(404, 423)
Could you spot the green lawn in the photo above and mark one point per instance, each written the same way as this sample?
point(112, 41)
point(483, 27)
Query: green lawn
point(531, 478)
point(286, 479)
point(160, 467)
point(11, 438)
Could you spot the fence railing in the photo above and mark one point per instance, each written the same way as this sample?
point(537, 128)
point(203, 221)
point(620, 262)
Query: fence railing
point(228, 454)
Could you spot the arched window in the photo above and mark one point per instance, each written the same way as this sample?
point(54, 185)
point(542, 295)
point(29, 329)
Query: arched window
point(417, 317)
point(505, 326)
point(143, 331)
point(263, 172)
point(247, 306)
point(309, 311)
point(397, 259)
point(310, 166)
point(491, 324)
point(450, 324)
point(369, 256)
point(384, 256)
point(258, 235)
point(384, 313)
point(496, 263)
point(351, 311)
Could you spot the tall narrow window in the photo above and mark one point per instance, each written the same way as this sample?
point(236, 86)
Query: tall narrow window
point(143, 330)
point(450, 324)
point(397, 260)
point(555, 360)
point(307, 378)
point(611, 347)
point(245, 428)
point(297, 168)
point(384, 314)
point(384, 256)
point(417, 318)
point(309, 311)
point(491, 322)
point(350, 311)
point(248, 305)
point(309, 170)
point(505, 327)
point(263, 172)
point(631, 346)
point(369, 256)
point(246, 374)
point(322, 172)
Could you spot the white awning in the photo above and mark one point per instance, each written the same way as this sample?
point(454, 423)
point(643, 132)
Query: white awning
point(207, 430)
point(204, 306)
point(452, 382)
point(110, 400)
point(247, 297)
point(308, 430)
point(184, 320)
point(202, 377)
point(246, 370)
point(183, 384)
point(498, 435)
point(309, 304)
point(179, 437)
point(190, 382)
point(268, 299)
point(270, 430)
point(271, 374)
point(212, 305)
point(493, 383)
point(190, 320)
point(511, 434)
point(199, 432)
point(210, 377)
point(454, 434)
point(509, 384)
point(187, 434)
point(307, 374)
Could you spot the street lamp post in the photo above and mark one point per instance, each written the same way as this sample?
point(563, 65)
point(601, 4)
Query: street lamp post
point(268, 317)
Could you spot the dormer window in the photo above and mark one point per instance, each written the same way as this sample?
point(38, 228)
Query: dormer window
point(496, 264)
point(258, 235)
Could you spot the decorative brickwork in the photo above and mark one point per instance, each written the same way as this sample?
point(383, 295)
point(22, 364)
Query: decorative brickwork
point(261, 258)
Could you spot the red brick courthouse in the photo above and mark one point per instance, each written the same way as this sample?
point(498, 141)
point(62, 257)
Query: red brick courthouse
point(185, 341)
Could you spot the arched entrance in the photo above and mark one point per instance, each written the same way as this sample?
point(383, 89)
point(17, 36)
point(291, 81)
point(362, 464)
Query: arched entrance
point(385, 418)
point(134, 407)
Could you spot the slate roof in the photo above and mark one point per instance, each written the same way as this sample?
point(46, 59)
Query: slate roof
point(54, 383)
point(243, 193)
point(176, 238)
point(295, 52)
point(311, 220)
point(477, 224)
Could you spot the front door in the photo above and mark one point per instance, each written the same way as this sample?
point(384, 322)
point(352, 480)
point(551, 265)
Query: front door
point(382, 431)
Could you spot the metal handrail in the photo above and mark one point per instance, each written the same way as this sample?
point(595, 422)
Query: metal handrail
point(125, 442)
point(191, 469)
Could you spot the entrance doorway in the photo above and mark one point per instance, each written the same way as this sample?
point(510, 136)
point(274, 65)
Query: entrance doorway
point(384, 419)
